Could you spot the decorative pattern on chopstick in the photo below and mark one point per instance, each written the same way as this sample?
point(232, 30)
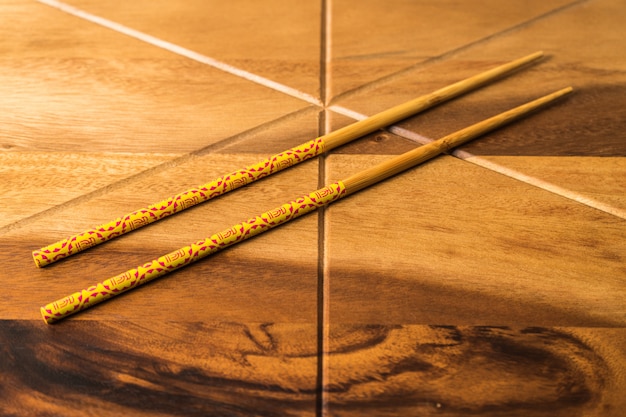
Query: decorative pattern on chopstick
point(184, 256)
point(80, 300)
point(179, 202)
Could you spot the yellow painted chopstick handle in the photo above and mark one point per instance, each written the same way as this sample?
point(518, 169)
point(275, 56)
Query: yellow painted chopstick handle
point(184, 256)
point(177, 203)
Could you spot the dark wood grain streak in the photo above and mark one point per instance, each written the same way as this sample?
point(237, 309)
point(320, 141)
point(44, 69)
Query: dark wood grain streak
point(419, 301)
point(456, 371)
point(599, 109)
point(108, 368)
point(226, 368)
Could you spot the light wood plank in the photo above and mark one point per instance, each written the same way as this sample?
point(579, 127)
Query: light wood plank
point(453, 243)
point(377, 38)
point(31, 182)
point(274, 40)
point(71, 85)
point(597, 178)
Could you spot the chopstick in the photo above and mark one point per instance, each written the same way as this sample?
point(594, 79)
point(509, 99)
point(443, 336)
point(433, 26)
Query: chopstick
point(179, 202)
point(125, 281)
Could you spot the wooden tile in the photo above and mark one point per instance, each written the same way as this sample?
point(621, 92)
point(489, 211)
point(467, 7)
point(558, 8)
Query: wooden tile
point(31, 182)
point(595, 131)
point(271, 138)
point(113, 368)
point(71, 85)
point(452, 243)
point(274, 40)
point(377, 38)
point(487, 371)
point(593, 70)
point(230, 283)
point(600, 179)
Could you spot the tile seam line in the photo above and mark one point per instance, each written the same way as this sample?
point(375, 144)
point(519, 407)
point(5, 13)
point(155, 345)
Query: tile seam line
point(179, 50)
point(500, 169)
point(321, 400)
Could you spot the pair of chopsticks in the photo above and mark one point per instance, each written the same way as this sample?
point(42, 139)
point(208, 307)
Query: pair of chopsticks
point(104, 290)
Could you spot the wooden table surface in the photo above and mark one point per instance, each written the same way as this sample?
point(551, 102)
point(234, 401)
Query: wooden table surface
point(489, 282)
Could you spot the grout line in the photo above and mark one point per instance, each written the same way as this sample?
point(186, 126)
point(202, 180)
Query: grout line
point(325, 53)
point(453, 52)
point(179, 50)
point(323, 289)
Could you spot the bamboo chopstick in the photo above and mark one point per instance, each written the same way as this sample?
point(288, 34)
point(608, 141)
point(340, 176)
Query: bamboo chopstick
point(78, 301)
point(139, 218)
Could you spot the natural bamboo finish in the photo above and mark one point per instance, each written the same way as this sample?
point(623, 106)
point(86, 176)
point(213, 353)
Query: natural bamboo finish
point(409, 159)
point(402, 111)
point(130, 279)
point(179, 202)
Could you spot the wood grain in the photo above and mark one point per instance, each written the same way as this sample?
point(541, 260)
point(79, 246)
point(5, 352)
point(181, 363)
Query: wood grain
point(599, 110)
point(113, 368)
point(489, 371)
point(462, 245)
point(553, 133)
point(447, 370)
point(449, 290)
point(379, 38)
point(286, 269)
point(271, 40)
point(34, 182)
point(598, 178)
point(594, 69)
point(80, 87)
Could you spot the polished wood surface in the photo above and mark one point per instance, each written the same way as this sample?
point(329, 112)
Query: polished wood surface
point(490, 281)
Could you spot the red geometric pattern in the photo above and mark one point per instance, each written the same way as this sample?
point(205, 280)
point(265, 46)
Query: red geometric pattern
point(184, 256)
point(176, 203)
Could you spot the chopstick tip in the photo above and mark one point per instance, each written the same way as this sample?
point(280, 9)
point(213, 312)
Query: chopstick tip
point(566, 90)
point(527, 59)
